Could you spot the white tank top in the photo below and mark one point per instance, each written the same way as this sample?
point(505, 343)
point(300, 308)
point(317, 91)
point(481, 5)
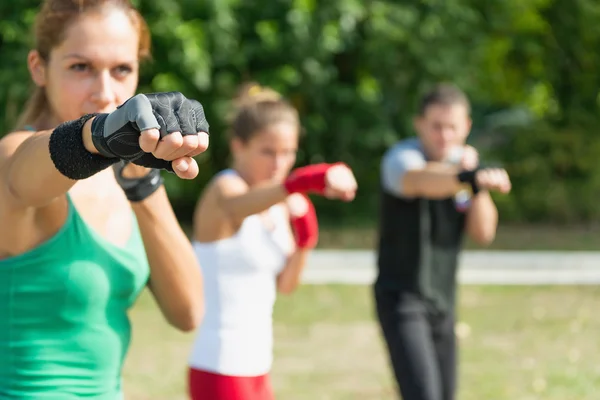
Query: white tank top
point(236, 334)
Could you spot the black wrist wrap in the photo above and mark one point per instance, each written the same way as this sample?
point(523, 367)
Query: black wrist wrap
point(97, 136)
point(469, 177)
point(138, 189)
point(70, 156)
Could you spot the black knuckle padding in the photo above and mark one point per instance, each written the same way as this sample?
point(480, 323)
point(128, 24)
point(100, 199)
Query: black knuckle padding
point(117, 134)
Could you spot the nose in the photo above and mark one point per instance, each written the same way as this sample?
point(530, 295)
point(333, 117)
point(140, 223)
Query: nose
point(448, 134)
point(103, 94)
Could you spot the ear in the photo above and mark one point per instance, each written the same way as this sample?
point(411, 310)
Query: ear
point(468, 126)
point(37, 68)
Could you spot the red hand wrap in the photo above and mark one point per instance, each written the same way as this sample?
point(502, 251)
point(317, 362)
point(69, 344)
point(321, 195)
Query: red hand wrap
point(306, 228)
point(307, 179)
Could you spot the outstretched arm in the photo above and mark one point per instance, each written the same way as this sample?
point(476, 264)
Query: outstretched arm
point(239, 201)
point(406, 173)
point(27, 171)
point(47, 164)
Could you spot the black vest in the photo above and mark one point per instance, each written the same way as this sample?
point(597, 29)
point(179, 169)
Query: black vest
point(419, 244)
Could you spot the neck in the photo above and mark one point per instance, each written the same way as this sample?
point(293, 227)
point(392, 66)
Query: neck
point(448, 157)
point(429, 156)
point(240, 171)
point(46, 121)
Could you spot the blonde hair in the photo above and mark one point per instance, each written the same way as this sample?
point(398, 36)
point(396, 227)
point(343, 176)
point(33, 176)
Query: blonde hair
point(257, 107)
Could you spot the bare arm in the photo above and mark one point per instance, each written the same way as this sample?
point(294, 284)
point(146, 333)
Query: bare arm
point(239, 201)
point(289, 278)
point(406, 173)
point(331, 180)
point(175, 278)
point(28, 173)
point(482, 219)
point(434, 181)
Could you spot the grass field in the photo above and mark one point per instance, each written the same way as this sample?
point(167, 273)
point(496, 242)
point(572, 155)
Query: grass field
point(517, 343)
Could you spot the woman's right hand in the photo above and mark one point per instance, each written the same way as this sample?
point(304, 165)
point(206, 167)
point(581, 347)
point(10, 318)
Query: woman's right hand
point(334, 181)
point(159, 130)
point(340, 183)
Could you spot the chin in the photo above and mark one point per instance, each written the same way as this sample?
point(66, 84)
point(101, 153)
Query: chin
point(264, 179)
point(279, 177)
point(445, 152)
point(103, 110)
point(437, 156)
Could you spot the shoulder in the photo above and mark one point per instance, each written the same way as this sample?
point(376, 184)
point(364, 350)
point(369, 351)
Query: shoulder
point(17, 137)
point(11, 142)
point(406, 146)
point(8, 147)
point(406, 154)
point(226, 183)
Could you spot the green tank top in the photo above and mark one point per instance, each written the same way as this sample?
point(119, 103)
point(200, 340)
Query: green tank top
point(64, 329)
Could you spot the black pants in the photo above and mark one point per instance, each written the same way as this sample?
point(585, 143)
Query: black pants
point(421, 345)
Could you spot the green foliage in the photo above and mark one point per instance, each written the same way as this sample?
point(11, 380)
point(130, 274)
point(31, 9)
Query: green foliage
point(555, 172)
point(355, 70)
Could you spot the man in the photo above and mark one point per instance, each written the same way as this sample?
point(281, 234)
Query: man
point(432, 193)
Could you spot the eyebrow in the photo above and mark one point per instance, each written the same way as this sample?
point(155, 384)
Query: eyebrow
point(76, 55)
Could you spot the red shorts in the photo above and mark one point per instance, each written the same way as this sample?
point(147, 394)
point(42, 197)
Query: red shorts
point(205, 385)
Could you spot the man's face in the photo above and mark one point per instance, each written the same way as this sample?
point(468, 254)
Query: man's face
point(441, 128)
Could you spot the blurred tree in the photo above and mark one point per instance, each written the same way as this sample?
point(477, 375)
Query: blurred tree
point(355, 70)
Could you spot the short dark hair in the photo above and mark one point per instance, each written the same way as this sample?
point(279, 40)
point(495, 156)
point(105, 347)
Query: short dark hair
point(443, 94)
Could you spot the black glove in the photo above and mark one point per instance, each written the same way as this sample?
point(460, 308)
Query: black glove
point(116, 135)
point(469, 177)
point(137, 189)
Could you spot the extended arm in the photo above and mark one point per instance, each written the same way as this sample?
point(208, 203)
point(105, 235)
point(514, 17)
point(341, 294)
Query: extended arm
point(28, 172)
point(406, 173)
point(289, 278)
point(239, 201)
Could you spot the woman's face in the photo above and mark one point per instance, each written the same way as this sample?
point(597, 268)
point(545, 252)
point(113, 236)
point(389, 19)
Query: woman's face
point(268, 155)
point(94, 69)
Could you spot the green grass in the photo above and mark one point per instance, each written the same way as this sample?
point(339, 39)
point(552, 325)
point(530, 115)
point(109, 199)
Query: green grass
point(517, 343)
